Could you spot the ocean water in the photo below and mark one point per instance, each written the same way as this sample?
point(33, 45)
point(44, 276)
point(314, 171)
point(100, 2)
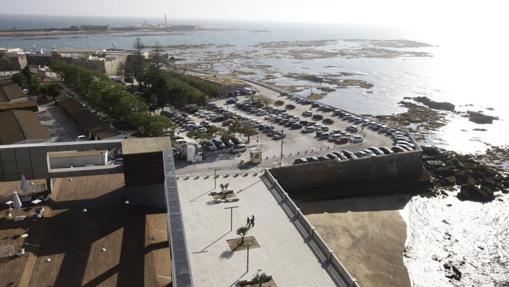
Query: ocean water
point(457, 71)
point(467, 69)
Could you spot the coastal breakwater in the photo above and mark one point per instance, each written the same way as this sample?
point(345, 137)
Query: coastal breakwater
point(380, 175)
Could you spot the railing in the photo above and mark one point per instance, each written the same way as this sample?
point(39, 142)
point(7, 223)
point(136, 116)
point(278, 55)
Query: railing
point(181, 270)
point(327, 257)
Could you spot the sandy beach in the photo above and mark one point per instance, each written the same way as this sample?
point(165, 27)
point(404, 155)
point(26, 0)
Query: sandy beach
point(367, 234)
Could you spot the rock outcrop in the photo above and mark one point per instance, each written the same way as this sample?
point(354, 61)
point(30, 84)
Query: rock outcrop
point(480, 118)
point(477, 181)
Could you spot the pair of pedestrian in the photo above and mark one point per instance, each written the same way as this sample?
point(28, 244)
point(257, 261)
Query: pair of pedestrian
point(250, 221)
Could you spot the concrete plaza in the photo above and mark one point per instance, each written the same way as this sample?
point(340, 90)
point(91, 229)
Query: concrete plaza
point(283, 252)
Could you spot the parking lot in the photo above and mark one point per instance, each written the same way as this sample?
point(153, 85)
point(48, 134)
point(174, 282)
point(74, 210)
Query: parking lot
point(311, 131)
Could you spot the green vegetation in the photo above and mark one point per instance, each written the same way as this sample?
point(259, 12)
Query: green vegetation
point(162, 87)
point(110, 98)
point(242, 231)
point(26, 80)
point(245, 128)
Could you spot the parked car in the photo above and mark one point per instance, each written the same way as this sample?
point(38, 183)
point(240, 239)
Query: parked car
point(307, 114)
point(340, 155)
point(312, 159)
point(385, 150)
point(323, 158)
point(376, 150)
point(209, 145)
point(397, 149)
point(333, 156)
point(324, 136)
point(341, 140)
point(352, 129)
point(308, 129)
point(239, 148)
point(357, 139)
point(296, 126)
point(218, 143)
point(300, 161)
point(348, 154)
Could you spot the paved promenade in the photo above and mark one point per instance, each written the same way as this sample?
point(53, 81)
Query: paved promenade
point(282, 252)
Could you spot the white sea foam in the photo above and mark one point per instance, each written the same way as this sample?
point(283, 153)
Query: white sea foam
point(441, 230)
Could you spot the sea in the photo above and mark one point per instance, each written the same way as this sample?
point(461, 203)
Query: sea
point(466, 66)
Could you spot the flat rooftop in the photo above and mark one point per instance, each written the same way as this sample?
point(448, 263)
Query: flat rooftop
point(145, 145)
point(283, 252)
point(111, 244)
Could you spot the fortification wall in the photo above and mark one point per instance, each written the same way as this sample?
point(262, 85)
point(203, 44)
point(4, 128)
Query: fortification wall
point(383, 174)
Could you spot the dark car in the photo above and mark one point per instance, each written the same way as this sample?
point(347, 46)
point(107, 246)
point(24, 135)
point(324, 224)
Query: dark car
point(333, 156)
point(296, 126)
point(236, 141)
point(218, 143)
point(385, 150)
point(300, 161)
point(323, 158)
point(312, 159)
point(348, 154)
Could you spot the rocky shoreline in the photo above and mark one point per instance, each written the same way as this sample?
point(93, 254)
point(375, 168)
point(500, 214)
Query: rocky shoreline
point(476, 180)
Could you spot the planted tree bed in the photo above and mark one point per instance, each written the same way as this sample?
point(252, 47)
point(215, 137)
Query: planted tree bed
point(236, 244)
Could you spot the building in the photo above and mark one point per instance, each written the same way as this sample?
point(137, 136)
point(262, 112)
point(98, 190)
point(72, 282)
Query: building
point(12, 60)
point(10, 91)
point(24, 105)
point(20, 126)
point(66, 159)
point(91, 125)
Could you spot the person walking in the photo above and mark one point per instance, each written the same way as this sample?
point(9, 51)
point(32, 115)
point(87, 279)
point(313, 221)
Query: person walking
point(248, 222)
point(252, 221)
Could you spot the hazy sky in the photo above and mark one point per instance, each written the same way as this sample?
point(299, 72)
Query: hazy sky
point(371, 12)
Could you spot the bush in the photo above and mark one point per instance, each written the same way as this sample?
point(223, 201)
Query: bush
point(279, 103)
point(290, 107)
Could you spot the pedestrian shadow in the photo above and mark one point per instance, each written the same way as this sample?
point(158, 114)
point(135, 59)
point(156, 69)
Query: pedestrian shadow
point(227, 254)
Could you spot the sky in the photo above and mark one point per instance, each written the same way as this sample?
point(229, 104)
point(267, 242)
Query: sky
point(413, 13)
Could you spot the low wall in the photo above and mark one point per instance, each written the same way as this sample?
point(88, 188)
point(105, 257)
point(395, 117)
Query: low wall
point(325, 255)
point(365, 176)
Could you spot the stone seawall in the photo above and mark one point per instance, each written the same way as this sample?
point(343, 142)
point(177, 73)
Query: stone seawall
point(384, 174)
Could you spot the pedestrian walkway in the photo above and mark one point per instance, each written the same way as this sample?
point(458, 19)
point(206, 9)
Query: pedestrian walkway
point(283, 252)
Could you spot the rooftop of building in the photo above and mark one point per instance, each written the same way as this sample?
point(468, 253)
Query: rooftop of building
point(19, 125)
point(145, 145)
point(9, 90)
point(75, 153)
point(87, 120)
point(71, 247)
point(23, 105)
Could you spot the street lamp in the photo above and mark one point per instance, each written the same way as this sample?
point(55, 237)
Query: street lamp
point(282, 142)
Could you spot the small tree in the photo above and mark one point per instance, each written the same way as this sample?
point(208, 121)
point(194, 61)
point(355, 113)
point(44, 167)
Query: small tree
point(242, 231)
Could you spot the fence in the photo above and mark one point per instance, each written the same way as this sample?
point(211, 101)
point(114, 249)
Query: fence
point(326, 256)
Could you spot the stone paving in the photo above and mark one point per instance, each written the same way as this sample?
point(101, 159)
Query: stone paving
point(282, 252)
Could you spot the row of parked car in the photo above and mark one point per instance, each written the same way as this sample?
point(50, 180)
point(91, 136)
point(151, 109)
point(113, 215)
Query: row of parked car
point(347, 155)
point(233, 144)
point(185, 122)
point(401, 139)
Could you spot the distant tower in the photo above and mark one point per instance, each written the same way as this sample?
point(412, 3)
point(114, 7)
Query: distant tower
point(164, 19)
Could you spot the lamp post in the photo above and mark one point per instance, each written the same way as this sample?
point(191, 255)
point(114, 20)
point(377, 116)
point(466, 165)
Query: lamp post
point(231, 215)
point(282, 141)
